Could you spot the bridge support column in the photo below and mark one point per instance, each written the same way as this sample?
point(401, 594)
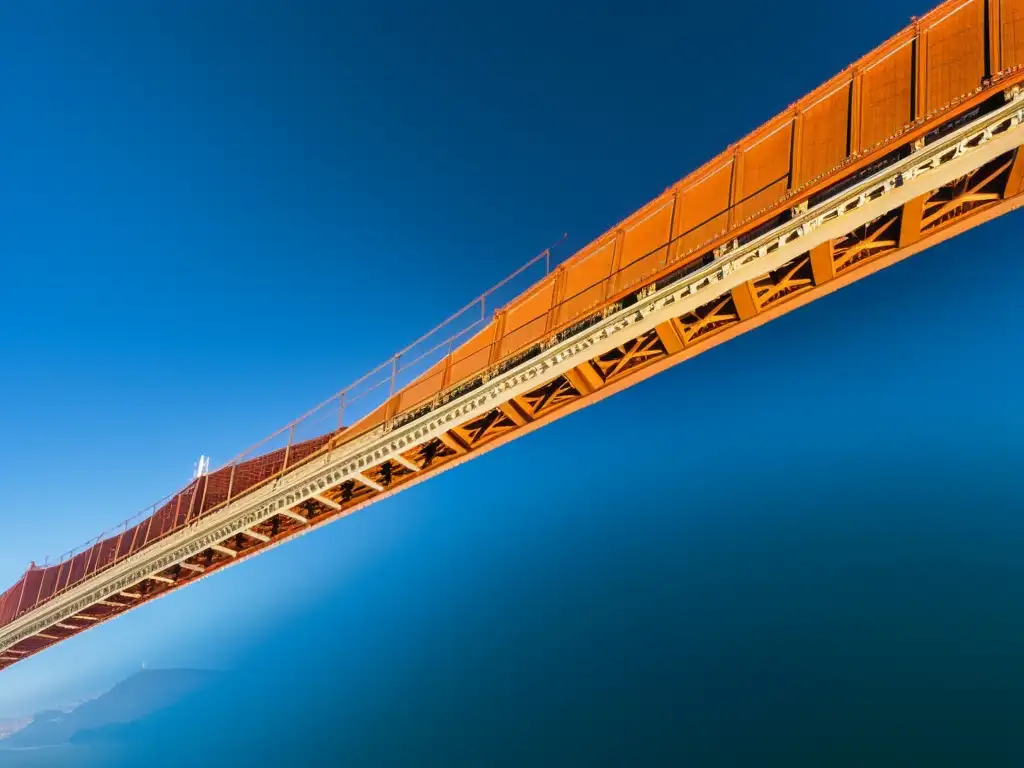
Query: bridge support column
point(823, 265)
point(910, 221)
point(514, 414)
point(745, 300)
point(669, 337)
point(584, 379)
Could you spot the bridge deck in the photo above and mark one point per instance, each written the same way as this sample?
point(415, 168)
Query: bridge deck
point(913, 144)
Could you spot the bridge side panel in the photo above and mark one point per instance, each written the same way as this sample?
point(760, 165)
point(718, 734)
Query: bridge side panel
point(159, 525)
point(703, 210)
point(92, 557)
point(10, 599)
point(424, 388)
point(645, 237)
point(33, 581)
point(886, 92)
point(44, 583)
point(106, 553)
point(63, 574)
point(302, 451)
point(126, 545)
point(585, 287)
point(953, 50)
point(473, 355)
point(463, 363)
point(764, 168)
point(217, 486)
point(1011, 33)
point(48, 585)
point(526, 319)
point(249, 474)
point(72, 570)
point(824, 130)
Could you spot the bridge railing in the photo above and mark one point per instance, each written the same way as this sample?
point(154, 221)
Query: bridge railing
point(496, 330)
point(516, 319)
point(426, 364)
point(533, 307)
point(275, 454)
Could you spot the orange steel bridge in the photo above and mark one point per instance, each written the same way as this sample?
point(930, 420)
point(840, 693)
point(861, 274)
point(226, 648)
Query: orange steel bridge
point(916, 142)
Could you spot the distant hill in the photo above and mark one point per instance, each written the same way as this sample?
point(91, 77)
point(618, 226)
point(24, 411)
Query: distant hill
point(129, 700)
point(13, 725)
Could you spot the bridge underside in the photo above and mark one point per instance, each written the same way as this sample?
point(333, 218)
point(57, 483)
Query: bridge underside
point(936, 192)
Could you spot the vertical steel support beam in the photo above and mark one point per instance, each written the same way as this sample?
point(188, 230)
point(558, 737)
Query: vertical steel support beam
point(557, 296)
point(60, 570)
point(446, 372)
point(120, 540)
point(584, 378)
point(669, 337)
point(391, 404)
point(796, 152)
point(177, 510)
point(672, 226)
point(21, 595)
point(149, 524)
point(920, 72)
point(995, 38)
point(745, 300)
point(394, 370)
point(823, 265)
point(613, 268)
point(231, 480)
point(191, 507)
point(856, 97)
point(287, 451)
point(494, 354)
point(39, 589)
point(513, 413)
point(735, 184)
point(135, 536)
point(92, 555)
point(341, 409)
point(910, 221)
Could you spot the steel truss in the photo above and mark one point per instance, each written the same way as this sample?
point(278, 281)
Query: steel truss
point(954, 184)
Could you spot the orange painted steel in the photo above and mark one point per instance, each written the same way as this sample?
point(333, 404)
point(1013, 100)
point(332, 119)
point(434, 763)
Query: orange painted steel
point(947, 67)
point(197, 500)
point(894, 95)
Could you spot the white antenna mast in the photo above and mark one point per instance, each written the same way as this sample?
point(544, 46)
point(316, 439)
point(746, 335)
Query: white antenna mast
point(201, 467)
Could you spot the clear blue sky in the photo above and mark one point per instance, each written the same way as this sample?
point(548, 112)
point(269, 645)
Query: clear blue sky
point(215, 214)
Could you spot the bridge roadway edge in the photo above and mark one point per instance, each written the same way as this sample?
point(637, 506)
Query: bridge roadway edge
point(733, 268)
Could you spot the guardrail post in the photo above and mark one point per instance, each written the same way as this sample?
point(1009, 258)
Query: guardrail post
point(21, 597)
point(60, 570)
point(39, 590)
point(231, 480)
point(92, 555)
point(177, 509)
point(394, 378)
point(149, 529)
point(288, 450)
point(120, 540)
point(202, 501)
